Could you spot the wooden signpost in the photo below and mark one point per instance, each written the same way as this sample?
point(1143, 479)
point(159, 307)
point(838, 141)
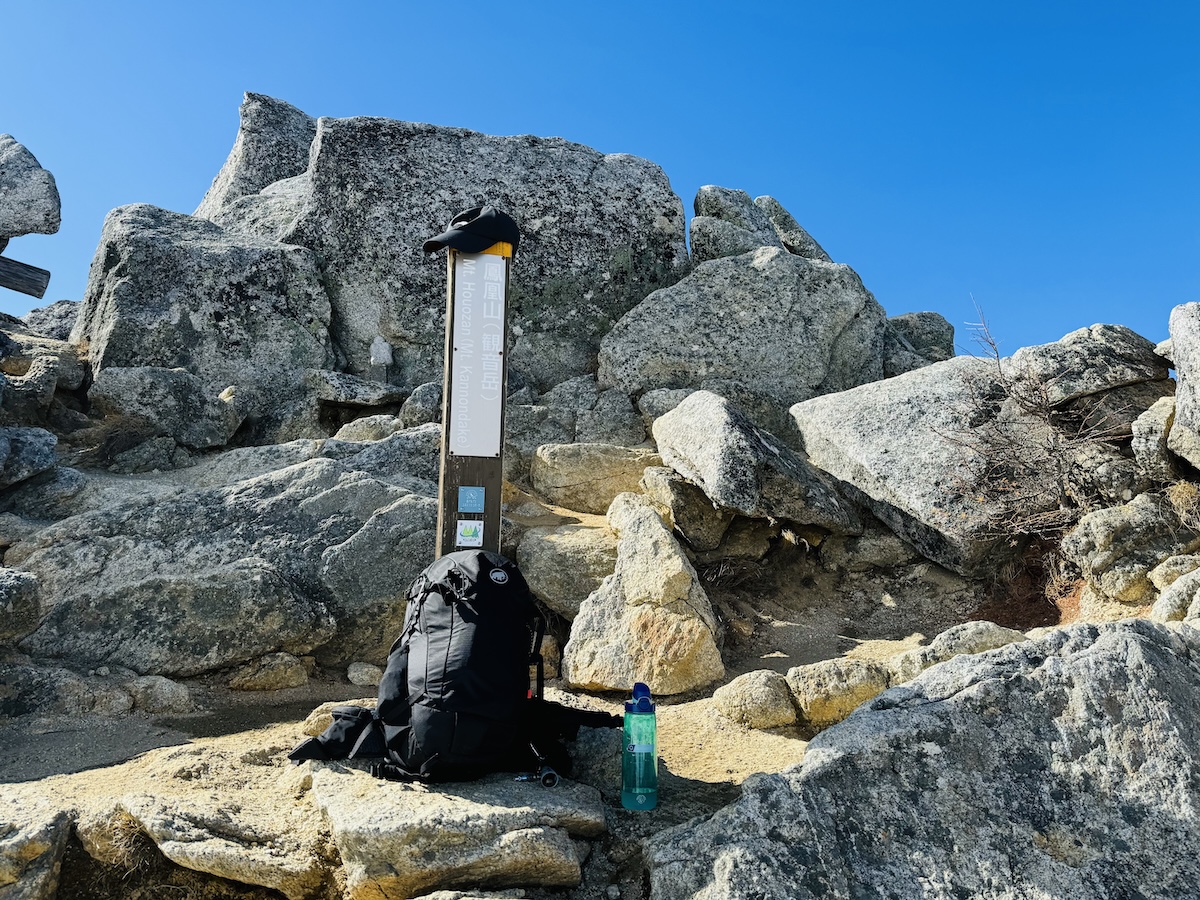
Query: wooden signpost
point(473, 395)
point(19, 276)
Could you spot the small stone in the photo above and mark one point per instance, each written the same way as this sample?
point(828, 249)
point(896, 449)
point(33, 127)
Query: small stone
point(828, 691)
point(364, 674)
point(272, 672)
point(758, 699)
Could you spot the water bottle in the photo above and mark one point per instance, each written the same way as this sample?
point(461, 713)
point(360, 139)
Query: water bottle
point(639, 762)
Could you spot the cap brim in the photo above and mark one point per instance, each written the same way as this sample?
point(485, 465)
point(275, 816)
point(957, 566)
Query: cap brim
point(459, 240)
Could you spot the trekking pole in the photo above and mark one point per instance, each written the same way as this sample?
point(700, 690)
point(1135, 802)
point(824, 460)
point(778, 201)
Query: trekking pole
point(544, 774)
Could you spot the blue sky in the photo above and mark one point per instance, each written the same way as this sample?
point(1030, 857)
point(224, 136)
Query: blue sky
point(1040, 159)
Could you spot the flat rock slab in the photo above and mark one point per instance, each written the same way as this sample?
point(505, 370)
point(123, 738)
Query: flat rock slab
point(400, 840)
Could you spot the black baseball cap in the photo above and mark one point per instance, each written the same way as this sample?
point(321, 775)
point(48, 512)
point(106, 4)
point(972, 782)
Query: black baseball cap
point(476, 229)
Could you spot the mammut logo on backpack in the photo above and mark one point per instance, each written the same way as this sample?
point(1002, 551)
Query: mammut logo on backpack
point(499, 576)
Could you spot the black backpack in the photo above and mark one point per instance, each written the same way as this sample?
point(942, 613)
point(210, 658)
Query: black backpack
point(455, 701)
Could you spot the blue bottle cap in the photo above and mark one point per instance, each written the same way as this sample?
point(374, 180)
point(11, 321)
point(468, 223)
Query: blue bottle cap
point(641, 701)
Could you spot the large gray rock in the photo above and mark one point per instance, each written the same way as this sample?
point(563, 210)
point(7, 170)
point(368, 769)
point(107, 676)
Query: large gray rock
point(928, 333)
point(650, 620)
point(181, 404)
point(779, 326)
point(794, 238)
point(1086, 361)
point(29, 201)
point(1184, 436)
point(181, 580)
point(402, 840)
point(598, 236)
point(1063, 767)
point(742, 468)
point(272, 144)
point(171, 291)
point(25, 452)
point(906, 445)
point(728, 223)
point(54, 321)
point(915, 340)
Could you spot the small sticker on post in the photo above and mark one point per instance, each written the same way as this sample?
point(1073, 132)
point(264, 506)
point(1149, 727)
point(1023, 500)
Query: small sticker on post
point(470, 499)
point(470, 533)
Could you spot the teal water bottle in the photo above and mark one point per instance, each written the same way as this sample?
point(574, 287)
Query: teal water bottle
point(639, 762)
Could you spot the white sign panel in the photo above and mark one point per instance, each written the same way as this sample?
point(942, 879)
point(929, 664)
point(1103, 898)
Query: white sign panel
point(469, 533)
point(477, 362)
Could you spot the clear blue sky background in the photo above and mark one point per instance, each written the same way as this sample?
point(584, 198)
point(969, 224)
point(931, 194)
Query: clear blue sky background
point(1041, 159)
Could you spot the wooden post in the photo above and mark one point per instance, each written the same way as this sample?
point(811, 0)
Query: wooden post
point(24, 278)
point(474, 388)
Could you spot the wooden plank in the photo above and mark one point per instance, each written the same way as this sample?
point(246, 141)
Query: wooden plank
point(463, 479)
point(27, 279)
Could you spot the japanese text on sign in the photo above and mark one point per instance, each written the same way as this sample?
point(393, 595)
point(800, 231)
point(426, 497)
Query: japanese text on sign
point(477, 367)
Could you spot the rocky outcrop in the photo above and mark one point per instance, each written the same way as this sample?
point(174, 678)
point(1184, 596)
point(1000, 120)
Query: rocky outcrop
point(1117, 548)
point(241, 312)
point(599, 236)
point(272, 144)
point(794, 238)
point(29, 201)
point(742, 468)
point(768, 323)
point(649, 621)
point(1085, 362)
point(1088, 788)
point(927, 333)
point(729, 223)
point(919, 446)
